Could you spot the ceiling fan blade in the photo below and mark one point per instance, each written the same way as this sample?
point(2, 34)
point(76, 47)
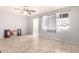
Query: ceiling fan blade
point(28, 12)
point(32, 10)
point(18, 9)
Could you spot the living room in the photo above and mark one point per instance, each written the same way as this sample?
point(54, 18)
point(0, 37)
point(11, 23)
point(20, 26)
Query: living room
point(39, 29)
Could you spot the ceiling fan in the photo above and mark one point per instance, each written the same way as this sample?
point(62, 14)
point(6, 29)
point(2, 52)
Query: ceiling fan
point(25, 9)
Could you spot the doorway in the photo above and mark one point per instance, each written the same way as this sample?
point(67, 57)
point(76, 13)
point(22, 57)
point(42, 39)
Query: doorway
point(35, 27)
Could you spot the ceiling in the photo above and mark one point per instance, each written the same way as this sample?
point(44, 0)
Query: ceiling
point(38, 9)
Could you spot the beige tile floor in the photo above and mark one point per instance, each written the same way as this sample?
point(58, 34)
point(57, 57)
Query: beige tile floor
point(24, 44)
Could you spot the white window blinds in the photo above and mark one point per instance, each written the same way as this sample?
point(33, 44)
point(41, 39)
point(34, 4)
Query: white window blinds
point(49, 23)
point(56, 23)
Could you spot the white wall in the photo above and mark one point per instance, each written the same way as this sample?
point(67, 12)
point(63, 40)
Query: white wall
point(73, 34)
point(30, 26)
point(12, 21)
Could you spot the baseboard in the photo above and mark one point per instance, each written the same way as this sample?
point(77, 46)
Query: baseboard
point(61, 40)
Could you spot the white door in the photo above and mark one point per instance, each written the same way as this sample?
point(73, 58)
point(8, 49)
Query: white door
point(35, 27)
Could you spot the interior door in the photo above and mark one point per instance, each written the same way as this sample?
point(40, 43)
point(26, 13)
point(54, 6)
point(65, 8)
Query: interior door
point(35, 27)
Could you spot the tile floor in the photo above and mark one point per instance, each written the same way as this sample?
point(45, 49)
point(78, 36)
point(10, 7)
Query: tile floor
point(28, 44)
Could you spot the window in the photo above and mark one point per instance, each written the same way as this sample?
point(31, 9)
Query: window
point(49, 23)
point(44, 23)
point(62, 22)
point(56, 23)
